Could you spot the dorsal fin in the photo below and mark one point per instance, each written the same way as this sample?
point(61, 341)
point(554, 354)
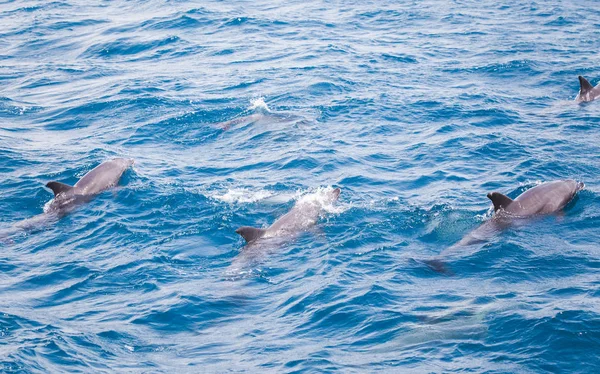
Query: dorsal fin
point(250, 233)
point(58, 187)
point(499, 200)
point(585, 86)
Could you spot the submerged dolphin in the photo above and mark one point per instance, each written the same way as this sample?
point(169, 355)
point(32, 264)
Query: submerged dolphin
point(263, 118)
point(587, 92)
point(101, 178)
point(303, 215)
point(546, 198)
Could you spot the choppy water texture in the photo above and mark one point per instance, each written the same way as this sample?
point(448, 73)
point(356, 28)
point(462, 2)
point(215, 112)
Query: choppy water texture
point(235, 110)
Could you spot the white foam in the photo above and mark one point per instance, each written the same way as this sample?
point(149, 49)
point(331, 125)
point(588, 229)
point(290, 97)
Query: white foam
point(529, 182)
point(320, 197)
point(242, 195)
point(323, 198)
point(259, 103)
point(46, 208)
point(485, 216)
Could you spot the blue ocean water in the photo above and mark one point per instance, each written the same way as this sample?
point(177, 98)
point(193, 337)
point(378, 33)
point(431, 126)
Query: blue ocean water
point(235, 110)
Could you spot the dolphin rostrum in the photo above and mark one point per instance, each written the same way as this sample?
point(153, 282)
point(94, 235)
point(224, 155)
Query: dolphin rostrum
point(546, 198)
point(587, 92)
point(303, 215)
point(101, 178)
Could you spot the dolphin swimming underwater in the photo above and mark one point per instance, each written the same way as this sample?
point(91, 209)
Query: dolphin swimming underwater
point(66, 198)
point(260, 114)
point(262, 118)
point(546, 198)
point(303, 215)
point(587, 92)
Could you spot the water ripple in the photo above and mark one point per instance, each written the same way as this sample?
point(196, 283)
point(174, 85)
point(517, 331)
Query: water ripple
point(233, 112)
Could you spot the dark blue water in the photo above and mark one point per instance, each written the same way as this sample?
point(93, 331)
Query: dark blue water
point(416, 110)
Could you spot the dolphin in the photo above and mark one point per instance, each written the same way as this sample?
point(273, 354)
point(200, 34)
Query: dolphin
point(262, 241)
point(66, 197)
point(303, 215)
point(587, 92)
point(543, 199)
point(546, 198)
point(263, 118)
point(100, 178)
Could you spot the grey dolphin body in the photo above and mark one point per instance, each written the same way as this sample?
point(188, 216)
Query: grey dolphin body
point(303, 215)
point(262, 241)
point(546, 198)
point(587, 92)
point(102, 177)
point(262, 118)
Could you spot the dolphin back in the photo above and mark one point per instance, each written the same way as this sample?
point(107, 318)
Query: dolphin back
point(499, 200)
point(59, 188)
point(103, 176)
point(584, 85)
point(587, 92)
point(250, 234)
point(545, 198)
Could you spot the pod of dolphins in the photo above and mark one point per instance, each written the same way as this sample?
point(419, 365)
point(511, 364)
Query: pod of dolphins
point(543, 199)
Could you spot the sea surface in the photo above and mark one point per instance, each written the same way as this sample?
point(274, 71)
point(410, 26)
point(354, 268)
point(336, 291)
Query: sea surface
point(233, 112)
